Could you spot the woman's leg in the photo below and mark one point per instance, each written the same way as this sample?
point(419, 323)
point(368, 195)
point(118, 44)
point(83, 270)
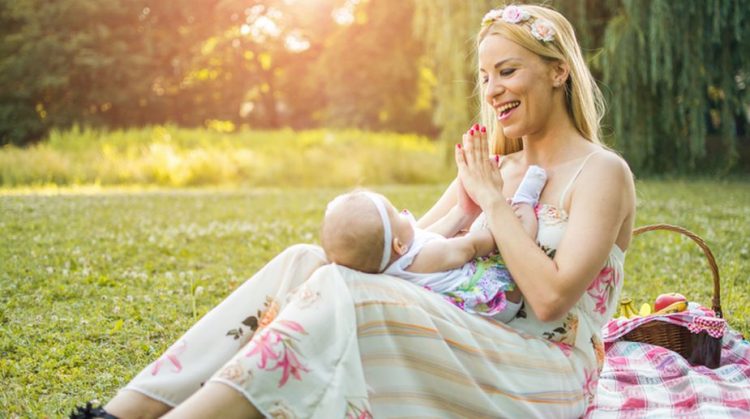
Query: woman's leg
point(212, 400)
point(133, 405)
point(216, 337)
point(215, 400)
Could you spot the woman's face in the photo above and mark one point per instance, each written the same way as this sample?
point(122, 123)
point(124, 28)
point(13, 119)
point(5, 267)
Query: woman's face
point(517, 83)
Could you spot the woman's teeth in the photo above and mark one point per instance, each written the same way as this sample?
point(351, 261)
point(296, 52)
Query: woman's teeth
point(507, 107)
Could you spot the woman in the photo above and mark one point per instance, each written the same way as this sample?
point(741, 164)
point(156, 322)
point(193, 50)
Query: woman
point(331, 342)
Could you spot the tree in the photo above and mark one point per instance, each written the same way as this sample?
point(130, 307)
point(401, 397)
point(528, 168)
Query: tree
point(371, 70)
point(677, 73)
point(448, 29)
point(76, 61)
point(264, 63)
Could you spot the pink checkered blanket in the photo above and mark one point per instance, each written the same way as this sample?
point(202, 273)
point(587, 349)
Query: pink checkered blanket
point(641, 380)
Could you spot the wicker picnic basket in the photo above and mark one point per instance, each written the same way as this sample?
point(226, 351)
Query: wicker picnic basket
point(697, 349)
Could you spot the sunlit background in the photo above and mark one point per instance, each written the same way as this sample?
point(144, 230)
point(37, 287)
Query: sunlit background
point(154, 154)
point(675, 75)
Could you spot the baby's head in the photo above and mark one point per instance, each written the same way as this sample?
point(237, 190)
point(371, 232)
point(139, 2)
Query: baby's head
point(354, 235)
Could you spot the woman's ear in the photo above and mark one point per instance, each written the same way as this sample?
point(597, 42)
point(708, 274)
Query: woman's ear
point(560, 73)
point(399, 246)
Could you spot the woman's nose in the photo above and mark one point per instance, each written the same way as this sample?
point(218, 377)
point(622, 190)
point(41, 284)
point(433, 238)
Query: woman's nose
point(494, 90)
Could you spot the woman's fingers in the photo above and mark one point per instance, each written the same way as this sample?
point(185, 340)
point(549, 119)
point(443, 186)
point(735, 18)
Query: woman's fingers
point(459, 155)
point(475, 148)
point(478, 175)
point(484, 146)
point(470, 146)
point(467, 145)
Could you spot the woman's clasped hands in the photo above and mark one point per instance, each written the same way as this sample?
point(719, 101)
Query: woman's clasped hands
point(478, 171)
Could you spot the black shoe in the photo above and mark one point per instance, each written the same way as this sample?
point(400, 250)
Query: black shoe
point(90, 412)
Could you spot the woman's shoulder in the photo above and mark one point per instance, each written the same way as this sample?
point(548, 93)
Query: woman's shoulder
point(609, 164)
point(606, 176)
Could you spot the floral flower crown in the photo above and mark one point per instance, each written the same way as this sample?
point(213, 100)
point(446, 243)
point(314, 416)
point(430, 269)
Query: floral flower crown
point(541, 29)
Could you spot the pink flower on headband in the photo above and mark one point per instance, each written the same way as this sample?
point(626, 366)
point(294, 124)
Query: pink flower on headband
point(492, 16)
point(543, 30)
point(515, 14)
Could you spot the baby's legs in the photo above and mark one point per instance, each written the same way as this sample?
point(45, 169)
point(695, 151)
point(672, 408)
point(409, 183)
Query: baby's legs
point(514, 296)
point(527, 216)
point(513, 302)
point(527, 196)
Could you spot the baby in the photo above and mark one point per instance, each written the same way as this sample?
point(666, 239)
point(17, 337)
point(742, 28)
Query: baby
point(363, 231)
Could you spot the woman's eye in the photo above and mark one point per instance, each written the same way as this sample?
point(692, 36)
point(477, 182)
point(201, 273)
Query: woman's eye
point(484, 80)
point(507, 72)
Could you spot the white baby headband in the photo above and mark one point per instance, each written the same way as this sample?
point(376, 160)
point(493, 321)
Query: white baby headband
point(385, 220)
point(387, 234)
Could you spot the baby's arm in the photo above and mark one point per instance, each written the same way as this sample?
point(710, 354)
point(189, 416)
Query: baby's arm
point(451, 223)
point(444, 254)
point(527, 216)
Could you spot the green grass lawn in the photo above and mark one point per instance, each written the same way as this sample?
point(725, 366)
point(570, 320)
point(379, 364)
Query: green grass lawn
point(94, 286)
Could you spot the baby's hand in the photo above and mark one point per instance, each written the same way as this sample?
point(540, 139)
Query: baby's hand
point(465, 202)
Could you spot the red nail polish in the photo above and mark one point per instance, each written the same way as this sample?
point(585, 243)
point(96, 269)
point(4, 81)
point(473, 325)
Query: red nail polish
point(471, 131)
point(497, 158)
point(476, 127)
point(484, 129)
point(458, 145)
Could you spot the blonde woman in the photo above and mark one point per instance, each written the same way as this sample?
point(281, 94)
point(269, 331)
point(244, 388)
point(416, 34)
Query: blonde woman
point(303, 338)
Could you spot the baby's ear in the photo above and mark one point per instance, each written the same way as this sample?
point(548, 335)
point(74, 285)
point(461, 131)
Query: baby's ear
point(399, 247)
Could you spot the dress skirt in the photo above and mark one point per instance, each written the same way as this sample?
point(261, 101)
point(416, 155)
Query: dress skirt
point(303, 338)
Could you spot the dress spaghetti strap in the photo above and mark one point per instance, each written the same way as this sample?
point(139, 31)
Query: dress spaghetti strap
point(575, 176)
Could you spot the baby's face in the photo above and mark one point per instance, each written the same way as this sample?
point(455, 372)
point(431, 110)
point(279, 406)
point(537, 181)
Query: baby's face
point(402, 224)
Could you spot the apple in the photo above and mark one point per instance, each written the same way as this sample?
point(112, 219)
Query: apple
point(665, 300)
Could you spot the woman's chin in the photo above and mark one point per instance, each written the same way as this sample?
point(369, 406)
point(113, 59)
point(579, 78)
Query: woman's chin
point(510, 132)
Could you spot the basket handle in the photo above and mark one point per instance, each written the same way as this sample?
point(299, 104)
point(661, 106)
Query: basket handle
point(706, 251)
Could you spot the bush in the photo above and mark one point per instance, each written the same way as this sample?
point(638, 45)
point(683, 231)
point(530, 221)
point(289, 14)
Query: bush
point(176, 157)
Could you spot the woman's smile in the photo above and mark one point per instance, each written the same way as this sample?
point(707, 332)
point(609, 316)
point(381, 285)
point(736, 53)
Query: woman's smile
point(505, 110)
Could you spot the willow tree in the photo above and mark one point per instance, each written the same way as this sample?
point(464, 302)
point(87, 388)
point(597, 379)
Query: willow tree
point(677, 74)
point(447, 28)
point(674, 73)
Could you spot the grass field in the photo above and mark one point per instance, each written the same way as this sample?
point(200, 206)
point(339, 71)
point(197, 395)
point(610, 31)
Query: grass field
point(95, 285)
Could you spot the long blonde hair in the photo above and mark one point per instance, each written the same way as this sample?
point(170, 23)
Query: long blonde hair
point(583, 99)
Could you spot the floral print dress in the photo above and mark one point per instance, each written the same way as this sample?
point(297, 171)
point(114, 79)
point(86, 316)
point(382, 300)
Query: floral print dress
point(307, 339)
point(477, 287)
point(578, 334)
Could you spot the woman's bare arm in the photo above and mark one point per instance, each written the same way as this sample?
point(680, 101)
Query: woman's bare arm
point(441, 208)
point(602, 205)
point(453, 212)
point(602, 201)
